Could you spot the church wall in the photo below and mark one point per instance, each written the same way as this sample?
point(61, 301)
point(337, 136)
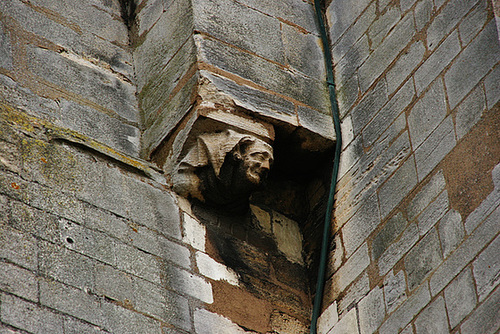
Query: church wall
point(93, 240)
point(416, 215)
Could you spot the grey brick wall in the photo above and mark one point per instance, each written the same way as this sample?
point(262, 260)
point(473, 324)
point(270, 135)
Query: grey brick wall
point(415, 91)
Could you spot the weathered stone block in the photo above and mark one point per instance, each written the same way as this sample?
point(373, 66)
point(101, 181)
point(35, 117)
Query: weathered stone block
point(451, 232)
point(94, 244)
point(34, 221)
point(88, 17)
point(139, 263)
point(394, 290)
point(346, 67)
point(113, 284)
point(426, 195)
point(451, 14)
point(423, 12)
point(295, 11)
point(189, 284)
point(486, 269)
point(149, 14)
point(341, 15)
point(232, 26)
point(485, 232)
point(435, 147)
point(427, 113)
point(353, 33)
point(386, 52)
point(71, 301)
point(162, 304)
point(85, 79)
point(316, 122)
point(18, 247)
point(389, 232)
point(371, 311)
point(469, 112)
point(5, 49)
point(405, 313)
point(406, 4)
point(360, 225)
point(29, 316)
point(121, 320)
point(391, 111)
point(473, 22)
point(212, 269)
point(460, 297)
point(433, 318)
point(486, 318)
point(159, 90)
point(170, 32)
point(169, 115)
point(351, 269)
point(349, 159)
point(328, 318)
point(18, 281)
point(492, 87)
point(473, 64)
point(264, 73)
point(422, 259)
point(437, 62)
point(347, 93)
point(369, 106)
point(17, 96)
point(388, 155)
point(99, 126)
point(433, 213)
point(66, 266)
point(404, 66)
point(359, 289)
point(151, 242)
point(348, 324)
point(88, 45)
point(72, 325)
point(206, 322)
point(397, 187)
point(266, 104)
point(296, 44)
point(382, 25)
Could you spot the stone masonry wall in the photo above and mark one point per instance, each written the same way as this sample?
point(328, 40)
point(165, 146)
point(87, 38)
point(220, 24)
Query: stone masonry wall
point(92, 240)
point(418, 202)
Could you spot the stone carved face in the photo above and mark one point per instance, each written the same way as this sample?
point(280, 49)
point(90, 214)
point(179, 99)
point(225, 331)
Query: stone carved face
point(257, 160)
point(223, 169)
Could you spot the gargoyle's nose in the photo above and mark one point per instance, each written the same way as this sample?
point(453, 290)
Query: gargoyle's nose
point(266, 165)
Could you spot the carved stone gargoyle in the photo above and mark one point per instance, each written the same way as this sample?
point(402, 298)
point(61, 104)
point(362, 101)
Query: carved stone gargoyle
point(222, 169)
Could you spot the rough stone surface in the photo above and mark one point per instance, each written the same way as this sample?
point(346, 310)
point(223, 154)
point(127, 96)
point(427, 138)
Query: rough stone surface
point(347, 324)
point(371, 311)
point(422, 259)
point(328, 319)
point(427, 113)
point(433, 213)
point(486, 318)
point(405, 313)
point(394, 290)
point(433, 318)
point(472, 64)
point(451, 232)
point(460, 297)
point(486, 269)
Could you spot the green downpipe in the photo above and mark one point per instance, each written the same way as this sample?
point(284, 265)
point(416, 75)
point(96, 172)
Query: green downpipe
point(318, 298)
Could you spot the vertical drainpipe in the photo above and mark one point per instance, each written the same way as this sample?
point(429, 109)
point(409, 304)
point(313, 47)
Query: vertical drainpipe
point(318, 298)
